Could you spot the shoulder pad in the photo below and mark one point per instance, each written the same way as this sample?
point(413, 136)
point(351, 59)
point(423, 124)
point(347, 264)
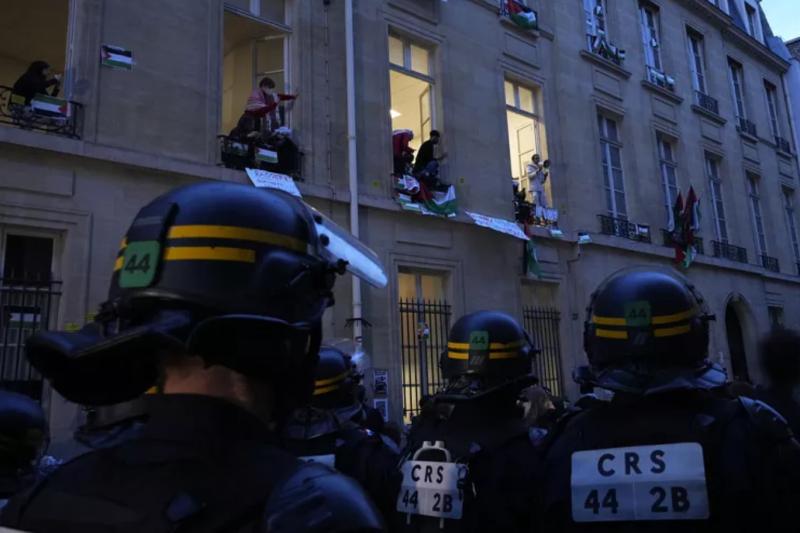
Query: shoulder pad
point(766, 418)
point(317, 498)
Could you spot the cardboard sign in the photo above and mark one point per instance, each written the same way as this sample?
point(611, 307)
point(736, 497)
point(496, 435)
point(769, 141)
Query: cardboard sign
point(498, 224)
point(273, 180)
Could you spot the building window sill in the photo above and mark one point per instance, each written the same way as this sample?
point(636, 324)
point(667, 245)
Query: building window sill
point(709, 114)
point(750, 138)
point(605, 63)
point(669, 95)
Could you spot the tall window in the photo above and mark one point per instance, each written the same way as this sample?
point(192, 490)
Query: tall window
point(611, 154)
point(27, 258)
point(752, 18)
point(524, 138)
point(651, 36)
point(755, 213)
point(697, 62)
point(717, 203)
point(772, 105)
point(669, 179)
point(737, 88)
point(594, 14)
point(791, 222)
point(411, 86)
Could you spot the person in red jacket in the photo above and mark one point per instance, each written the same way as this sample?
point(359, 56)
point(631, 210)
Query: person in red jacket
point(264, 102)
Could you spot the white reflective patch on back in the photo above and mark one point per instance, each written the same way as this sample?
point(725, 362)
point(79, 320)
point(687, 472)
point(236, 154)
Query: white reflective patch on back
point(432, 489)
point(327, 459)
point(661, 482)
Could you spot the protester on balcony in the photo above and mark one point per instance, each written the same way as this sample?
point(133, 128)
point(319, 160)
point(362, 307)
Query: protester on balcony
point(264, 102)
point(402, 153)
point(37, 80)
point(426, 161)
point(538, 173)
point(287, 151)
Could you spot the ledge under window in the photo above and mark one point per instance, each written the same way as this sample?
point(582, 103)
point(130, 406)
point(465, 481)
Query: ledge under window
point(669, 95)
point(605, 63)
point(746, 136)
point(709, 114)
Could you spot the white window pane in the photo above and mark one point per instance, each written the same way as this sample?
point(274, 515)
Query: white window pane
point(410, 105)
point(526, 99)
point(395, 51)
point(509, 90)
point(420, 61)
point(612, 130)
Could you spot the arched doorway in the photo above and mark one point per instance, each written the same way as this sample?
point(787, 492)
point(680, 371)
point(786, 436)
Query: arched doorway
point(736, 348)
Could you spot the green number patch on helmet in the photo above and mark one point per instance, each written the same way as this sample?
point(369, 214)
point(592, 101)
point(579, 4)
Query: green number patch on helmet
point(139, 264)
point(479, 340)
point(638, 314)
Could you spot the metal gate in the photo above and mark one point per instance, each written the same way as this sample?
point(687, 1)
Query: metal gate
point(542, 323)
point(25, 307)
point(424, 326)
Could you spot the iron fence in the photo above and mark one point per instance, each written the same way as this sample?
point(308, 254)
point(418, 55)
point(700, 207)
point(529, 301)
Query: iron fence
point(747, 126)
point(620, 227)
point(783, 145)
point(729, 251)
point(543, 324)
point(51, 115)
point(25, 307)
point(424, 327)
point(770, 263)
point(707, 102)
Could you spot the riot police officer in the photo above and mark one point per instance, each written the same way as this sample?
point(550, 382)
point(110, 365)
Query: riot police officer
point(23, 441)
point(469, 463)
point(780, 360)
point(217, 294)
point(670, 451)
point(332, 430)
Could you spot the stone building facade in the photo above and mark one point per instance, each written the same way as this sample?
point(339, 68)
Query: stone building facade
point(697, 100)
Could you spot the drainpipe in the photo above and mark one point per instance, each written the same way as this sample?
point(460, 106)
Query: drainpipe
point(352, 157)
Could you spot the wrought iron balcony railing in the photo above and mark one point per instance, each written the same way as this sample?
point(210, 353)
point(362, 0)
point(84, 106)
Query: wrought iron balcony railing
point(783, 144)
point(668, 241)
point(619, 227)
point(43, 113)
point(770, 263)
point(729, 251)
point(745, 126)
point(707, 102)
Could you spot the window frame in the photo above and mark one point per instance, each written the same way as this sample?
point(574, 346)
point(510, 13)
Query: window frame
point(791, 221)
point(771, 95)
point(716, 197)
point(21, 231)
point(667, 162)
point(537, 120)
point(406, 70)
point(594, 23)
point(697, 60)
point(756, 214)
point(736, 78)
point(607, 145)
point(650, 21)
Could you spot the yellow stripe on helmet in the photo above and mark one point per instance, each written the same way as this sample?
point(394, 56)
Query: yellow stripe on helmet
point(492, 346)
point(671, 332)
point(334, 379)
point(677, 317)
point(323, 390)
point(611, 334)
point(503, 355)
point(118, 263)
point(209, 253)
point(608, 321)
point(201, 231)
point(458, 355)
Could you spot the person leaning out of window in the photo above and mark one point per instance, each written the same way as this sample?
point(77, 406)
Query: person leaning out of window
point(264, 102)
point(37, 80)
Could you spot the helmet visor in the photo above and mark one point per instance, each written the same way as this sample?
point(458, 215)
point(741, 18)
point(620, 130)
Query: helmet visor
point(335, 244)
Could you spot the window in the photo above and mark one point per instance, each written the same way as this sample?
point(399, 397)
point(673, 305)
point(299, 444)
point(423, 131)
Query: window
point(791, 222)
point(755, 213)
point(27, 258)
point(775, 316)
point(717, 203)
point(697, 62)
point(411, 87)
point(669, 179)
point(737, 88)
point(252, 51)
point(752, 18)
point(424, 326)
point(594, 14)
point(265, 9)
point(611, 154)
point(524, 135)
point(772, 105)
point(651, 36)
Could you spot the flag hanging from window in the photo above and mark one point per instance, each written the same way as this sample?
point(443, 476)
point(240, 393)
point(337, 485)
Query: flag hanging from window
point(691, 226)
point(116, 57)
point(531, 265)
point(676, 229)
point(520, 14)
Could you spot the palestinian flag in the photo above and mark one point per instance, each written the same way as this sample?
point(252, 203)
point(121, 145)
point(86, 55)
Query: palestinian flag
point(266, 156)
point(520, 14)
point(116, 57)
point(676, 229)
point(530, 260)
point(691, 226)
point(50, 106)
point(442, 203)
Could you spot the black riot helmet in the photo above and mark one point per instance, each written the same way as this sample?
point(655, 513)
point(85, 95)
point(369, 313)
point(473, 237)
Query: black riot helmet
point(237, 275)
point(646, 329)
point(23, 439)
point(336, 382)
point(780, 357)
point(489, 345)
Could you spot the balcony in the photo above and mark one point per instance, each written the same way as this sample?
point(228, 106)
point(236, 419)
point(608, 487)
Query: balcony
point(44, 113)
point(666, 236)
point(278, 154)
point(707, 102)
point(746, 127)
point(770, 263)
point(619, 227)
point(601, 47)
point(783, 145)
point(729, 251)
point(661, 79)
